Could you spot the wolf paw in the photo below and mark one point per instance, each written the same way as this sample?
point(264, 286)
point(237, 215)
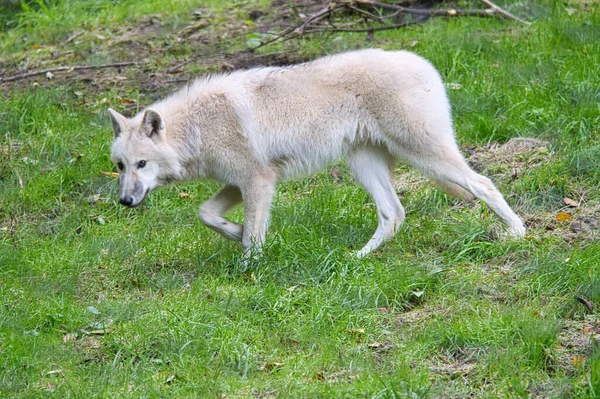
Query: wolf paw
point(517, 231)
point(362, 253)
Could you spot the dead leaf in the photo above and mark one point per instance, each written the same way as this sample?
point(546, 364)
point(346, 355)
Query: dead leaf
point(69, 338)
point(185, 195)
point(563, 216)
point(375, 345)
point(570, 202)
point(48, 386)
point(92, 199)
point(577, 360)
point(53, 372)
point(272, 365)
point(355, 331)
point(336, 173)
point(587, 330)
point(586, 302)
point(110, 174)
point(126, 101)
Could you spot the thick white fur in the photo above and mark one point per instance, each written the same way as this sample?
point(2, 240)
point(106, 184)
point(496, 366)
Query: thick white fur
point(251, 128)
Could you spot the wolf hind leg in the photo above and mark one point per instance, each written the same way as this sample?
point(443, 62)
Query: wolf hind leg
point(455, 190)
point(450, 168)
point(211, 213)
point(371, 166)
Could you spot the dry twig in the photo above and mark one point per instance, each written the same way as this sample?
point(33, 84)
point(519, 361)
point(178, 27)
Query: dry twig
point(74, 36)
point(504, 13)
point(65, 68)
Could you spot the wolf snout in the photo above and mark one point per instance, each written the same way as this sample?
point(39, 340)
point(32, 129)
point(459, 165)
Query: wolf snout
point(127, 200)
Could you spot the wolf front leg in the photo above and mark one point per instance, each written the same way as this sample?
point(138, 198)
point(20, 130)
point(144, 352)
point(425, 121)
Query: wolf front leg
point(211, 213)
point(258, 195)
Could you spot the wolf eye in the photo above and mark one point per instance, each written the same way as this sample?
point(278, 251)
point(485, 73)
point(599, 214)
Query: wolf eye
point(141, 164)
point(120, 165)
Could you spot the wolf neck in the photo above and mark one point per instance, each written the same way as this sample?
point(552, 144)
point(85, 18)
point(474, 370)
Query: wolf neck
point(186, 144)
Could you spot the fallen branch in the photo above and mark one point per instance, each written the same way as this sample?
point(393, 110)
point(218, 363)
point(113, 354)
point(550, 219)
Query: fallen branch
point(74, 36)
point(586, 302)
point(504, 13)
point(65, 68)
point(374, 11)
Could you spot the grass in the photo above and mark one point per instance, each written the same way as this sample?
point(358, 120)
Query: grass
point(101, 301)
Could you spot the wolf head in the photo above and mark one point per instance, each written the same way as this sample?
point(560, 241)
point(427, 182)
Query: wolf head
point(141, 152)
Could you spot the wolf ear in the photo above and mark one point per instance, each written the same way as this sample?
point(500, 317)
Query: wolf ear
point(118, 121)
point(153, 124)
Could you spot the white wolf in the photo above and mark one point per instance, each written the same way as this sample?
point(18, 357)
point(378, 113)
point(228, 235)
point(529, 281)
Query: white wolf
point(249, 129)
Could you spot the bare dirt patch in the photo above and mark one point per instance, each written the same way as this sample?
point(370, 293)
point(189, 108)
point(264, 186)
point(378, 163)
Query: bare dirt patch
point(505, 162)
point(576, 342)
point(416, 318)
point(335, 377)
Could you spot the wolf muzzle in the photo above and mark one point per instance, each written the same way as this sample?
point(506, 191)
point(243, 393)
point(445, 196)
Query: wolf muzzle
point(127, 201)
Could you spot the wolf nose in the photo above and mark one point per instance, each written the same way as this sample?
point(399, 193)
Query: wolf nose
point(127, 201)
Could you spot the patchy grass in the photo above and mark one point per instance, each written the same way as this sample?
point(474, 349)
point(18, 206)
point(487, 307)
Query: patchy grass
point(101, 301)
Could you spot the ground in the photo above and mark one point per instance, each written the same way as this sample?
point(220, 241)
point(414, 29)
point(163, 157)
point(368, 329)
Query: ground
point(101, 301)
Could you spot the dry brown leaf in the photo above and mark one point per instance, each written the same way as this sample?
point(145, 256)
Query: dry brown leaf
point(563, 216)
point(185, 195)
point(571, 202)
point(587, 330)
point(272, 365)
point(577, 360)
point(586, 302)
point(110, 174)
point(48, 386)
point(375, 345)
point(126, 101)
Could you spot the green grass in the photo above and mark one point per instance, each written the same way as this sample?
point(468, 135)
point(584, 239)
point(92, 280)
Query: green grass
point(101, 301)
